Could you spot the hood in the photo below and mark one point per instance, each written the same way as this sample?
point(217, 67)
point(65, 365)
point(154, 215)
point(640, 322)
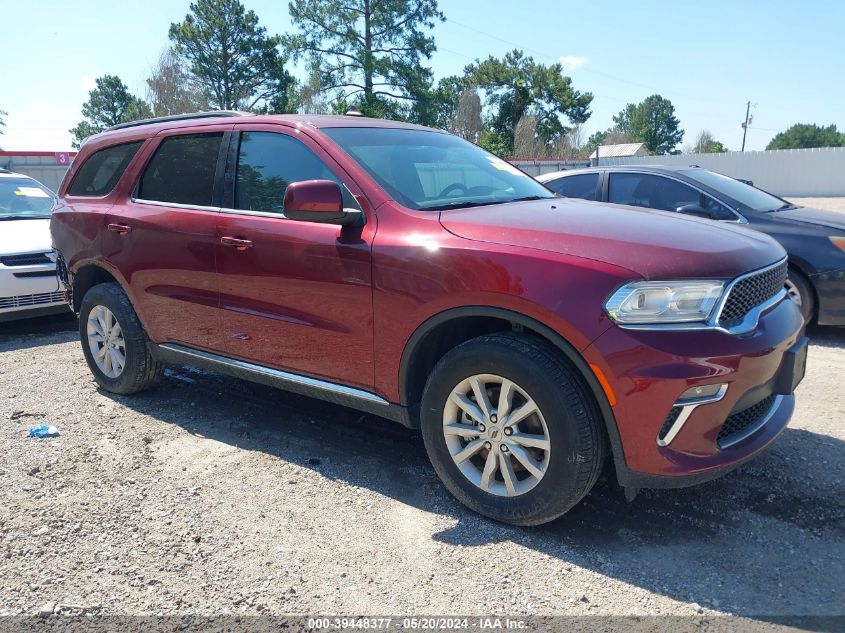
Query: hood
point(808, 215)
point(25, 236)
point(654, 244)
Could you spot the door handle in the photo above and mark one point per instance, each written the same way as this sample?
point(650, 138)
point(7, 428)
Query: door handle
point(120, 229)
point(236, 243)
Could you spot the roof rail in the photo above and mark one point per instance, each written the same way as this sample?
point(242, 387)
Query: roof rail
point(178, 117)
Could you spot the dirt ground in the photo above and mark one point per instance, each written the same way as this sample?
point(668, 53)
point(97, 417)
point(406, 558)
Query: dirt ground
point(209, 495)
point(832, 204)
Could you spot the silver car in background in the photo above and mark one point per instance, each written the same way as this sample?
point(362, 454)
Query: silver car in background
point(29, 285)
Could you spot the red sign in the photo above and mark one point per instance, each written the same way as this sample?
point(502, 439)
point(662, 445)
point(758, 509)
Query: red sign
point(62, 158)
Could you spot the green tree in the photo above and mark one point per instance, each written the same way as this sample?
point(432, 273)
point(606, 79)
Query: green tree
point(109, 103)
point(610, 136)
point(436, 106)
point(495, 143)
point(516, 86)
point(237, 65)
point(706, 144)
point(652, 122)
point(371, 52)
point(803, 135)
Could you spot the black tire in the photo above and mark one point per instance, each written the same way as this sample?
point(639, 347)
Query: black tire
point(141, 370)
point(804, 291)
point(571, 414)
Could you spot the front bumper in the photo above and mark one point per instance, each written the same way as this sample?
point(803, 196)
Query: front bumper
point(648, 370)
point(28, 284)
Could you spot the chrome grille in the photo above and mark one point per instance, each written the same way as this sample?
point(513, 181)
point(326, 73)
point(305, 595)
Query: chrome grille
point(26, 259)
point(751, 291)
point(23, 301)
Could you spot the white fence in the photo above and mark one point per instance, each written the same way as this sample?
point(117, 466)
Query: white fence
point(540, 166)
point(787, 172)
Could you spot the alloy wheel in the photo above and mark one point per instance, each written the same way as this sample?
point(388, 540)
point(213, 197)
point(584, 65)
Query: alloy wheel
point(105, 340)
point(496, 435)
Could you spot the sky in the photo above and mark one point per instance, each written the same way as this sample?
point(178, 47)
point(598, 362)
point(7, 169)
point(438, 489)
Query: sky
point(709, 58)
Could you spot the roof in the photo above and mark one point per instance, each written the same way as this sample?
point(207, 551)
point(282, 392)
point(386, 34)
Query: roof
point(622, 149)
point(144, 129)
point(660, 169)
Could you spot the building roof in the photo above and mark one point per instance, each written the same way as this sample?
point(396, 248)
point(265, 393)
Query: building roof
point(623, 149)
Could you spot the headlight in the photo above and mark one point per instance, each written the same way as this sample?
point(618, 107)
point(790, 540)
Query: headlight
point(838, 242)
point(643, 302)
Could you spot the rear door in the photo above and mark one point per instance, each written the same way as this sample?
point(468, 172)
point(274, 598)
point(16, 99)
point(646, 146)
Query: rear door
point(585, 186)
point(162, 239)
point(295, 295)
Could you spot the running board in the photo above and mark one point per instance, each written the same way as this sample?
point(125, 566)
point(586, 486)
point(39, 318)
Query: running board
point(303, 385)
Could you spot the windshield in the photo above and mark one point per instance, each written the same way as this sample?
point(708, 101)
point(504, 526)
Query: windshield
point(750, 197)
point(23, 198)
point(432, 171)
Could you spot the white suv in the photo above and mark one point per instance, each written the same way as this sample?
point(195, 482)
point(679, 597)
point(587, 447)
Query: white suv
point(28, 282)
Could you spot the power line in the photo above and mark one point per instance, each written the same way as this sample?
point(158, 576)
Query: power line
point(588, 70)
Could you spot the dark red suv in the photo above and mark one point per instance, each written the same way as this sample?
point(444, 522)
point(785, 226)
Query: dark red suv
point(405, 272)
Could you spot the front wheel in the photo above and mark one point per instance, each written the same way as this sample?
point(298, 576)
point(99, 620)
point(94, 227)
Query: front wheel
point(512, 429)
point(114, 342)
point(800, 291)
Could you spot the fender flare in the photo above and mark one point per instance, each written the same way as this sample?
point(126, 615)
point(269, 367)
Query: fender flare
point(528, 323)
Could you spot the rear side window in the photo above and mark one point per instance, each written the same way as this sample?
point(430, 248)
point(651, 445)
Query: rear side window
point(585, 186)
point(100, 173)
point(648, 190)
point(182, 170)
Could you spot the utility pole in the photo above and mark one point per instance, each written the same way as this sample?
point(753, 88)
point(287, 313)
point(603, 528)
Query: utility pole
point(745, 124)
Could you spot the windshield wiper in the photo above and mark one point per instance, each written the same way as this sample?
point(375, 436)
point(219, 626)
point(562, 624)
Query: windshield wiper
point(461, 205)
point(787, 206)
point(465, 205)
point(24, 217)
point(527, 198)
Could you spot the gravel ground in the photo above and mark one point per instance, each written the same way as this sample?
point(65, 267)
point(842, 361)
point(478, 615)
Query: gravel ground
point(209, 495)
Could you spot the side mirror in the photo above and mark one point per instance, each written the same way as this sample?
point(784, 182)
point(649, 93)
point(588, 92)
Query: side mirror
point(317, 201)
point(695, 209)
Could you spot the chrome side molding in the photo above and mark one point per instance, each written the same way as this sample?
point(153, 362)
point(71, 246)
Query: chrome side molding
point(283, 378)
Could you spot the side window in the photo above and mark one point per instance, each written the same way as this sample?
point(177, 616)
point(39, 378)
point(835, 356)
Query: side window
point(648, 190)
point(100, 173)
point(717, 210)
point(268, 162)
point(585, 186)
point(182, 170)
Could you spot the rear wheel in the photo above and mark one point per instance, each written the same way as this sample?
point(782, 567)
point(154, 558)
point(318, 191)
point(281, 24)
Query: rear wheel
point(512, 429)
point(114, 342)
point(801, 292)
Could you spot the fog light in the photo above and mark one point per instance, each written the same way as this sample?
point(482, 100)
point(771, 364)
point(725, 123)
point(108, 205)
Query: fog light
point(689, 401)
point(701, 391)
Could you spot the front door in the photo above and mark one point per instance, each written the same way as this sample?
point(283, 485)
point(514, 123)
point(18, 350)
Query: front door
point(296, 296)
